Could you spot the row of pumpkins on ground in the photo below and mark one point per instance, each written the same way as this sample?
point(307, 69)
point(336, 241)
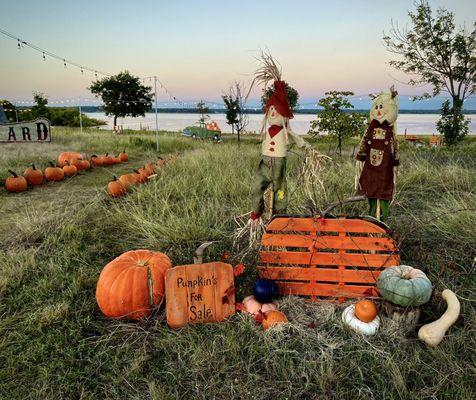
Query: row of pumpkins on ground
point(69, 164)
point(119, 187)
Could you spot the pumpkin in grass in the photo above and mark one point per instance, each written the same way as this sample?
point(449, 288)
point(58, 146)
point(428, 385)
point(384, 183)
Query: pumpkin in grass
point(69, 156)
point(107, 159)
point(160, 162)
point(85, 164)
point(115, 188)
point(272, 318)
point(70, 170)
point(33, 176)
point(96, 161)
point(123, 156)
point(128, 180)
point(15, 183)
point(54, 173)
point(141, 175)
point(405, 286)
point(133, 284)
point(149, 168)
point(366, 310)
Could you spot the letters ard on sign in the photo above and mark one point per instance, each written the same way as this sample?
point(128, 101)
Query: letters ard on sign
point(38, 130)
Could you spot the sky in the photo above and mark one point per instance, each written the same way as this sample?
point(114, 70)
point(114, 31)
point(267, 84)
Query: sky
point(197, 48)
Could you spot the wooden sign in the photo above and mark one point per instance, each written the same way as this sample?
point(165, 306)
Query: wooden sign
point(38, 130)
point(199, 293)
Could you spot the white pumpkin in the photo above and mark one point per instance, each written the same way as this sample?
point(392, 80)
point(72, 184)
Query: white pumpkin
point(365, 328)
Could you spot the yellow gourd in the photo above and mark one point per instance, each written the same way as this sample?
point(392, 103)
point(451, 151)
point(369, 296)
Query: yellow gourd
point(432, 334)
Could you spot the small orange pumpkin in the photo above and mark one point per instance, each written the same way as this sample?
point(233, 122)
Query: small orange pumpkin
point(149, 168)
point(85, 164)
point(272, 318)
point(133, 284)
point(366, 310)
point(15, 183)
point(69, 156)
point(70, 170)
point(96, 161)
point(141, 175)
point(54, 173)
point(116, 160)
point(160, 162)
point(33, 176)
point(128, 180)
point(123, 156)
point(115, 188)
point(107, 159)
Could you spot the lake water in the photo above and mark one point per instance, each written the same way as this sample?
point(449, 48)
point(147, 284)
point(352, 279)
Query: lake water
point(415, 124)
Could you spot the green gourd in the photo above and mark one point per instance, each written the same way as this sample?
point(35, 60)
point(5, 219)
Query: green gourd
point(404, 286)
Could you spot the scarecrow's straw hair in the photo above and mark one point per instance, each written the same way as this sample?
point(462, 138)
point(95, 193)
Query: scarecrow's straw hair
point(269, 70)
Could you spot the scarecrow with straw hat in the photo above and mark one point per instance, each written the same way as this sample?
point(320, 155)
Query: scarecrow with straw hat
point(378, 155)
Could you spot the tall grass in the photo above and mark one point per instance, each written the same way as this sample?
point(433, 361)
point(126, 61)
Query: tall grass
point(54, 241)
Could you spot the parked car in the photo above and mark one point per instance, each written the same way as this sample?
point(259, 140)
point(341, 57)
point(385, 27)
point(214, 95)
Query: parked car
point(205, 131)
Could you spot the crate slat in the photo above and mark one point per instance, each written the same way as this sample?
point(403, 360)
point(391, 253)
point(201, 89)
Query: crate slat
point(319, 274)
point(326, 290)
point(323, 225)
point(329, 242)
point(315, 258)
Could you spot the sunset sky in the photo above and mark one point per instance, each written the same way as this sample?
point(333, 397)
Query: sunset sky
point(198, 47)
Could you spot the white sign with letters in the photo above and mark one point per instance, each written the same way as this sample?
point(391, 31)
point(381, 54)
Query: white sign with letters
point(38, 130)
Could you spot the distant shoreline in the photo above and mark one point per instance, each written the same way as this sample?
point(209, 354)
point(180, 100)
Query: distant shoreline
point(94, 109)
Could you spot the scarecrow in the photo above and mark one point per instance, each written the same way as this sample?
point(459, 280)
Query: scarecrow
point(276, 135)
point(378, 156)
point(270, 178)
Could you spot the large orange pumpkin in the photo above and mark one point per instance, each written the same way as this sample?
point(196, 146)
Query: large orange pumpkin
point(15, 183)
point(366, 310)
point(272, 318)
point(33, 176)
point(133, 284)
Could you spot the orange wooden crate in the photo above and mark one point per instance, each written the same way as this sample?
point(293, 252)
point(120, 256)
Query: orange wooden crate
point(324, 257)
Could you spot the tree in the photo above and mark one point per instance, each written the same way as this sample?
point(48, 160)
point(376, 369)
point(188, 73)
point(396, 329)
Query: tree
point(40, 108)
point(123, 95)
point(236, 113)
point(203, 111)
point(334, 120)
point(434, 52)
point(453, 132)
point(291, 93)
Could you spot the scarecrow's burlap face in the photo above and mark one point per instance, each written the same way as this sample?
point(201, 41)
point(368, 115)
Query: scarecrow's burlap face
point(273, 117)
point(384, 108)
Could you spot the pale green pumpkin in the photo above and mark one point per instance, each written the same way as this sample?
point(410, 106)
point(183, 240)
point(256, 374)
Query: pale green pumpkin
point(404, 286)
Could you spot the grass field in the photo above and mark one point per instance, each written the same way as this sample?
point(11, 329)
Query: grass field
point(55, 239)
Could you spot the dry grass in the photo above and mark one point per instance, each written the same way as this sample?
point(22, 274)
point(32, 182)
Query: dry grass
point(54, 241)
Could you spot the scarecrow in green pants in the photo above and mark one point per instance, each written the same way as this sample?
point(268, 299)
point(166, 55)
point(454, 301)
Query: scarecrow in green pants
point(378, 155)
point(275, 141)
